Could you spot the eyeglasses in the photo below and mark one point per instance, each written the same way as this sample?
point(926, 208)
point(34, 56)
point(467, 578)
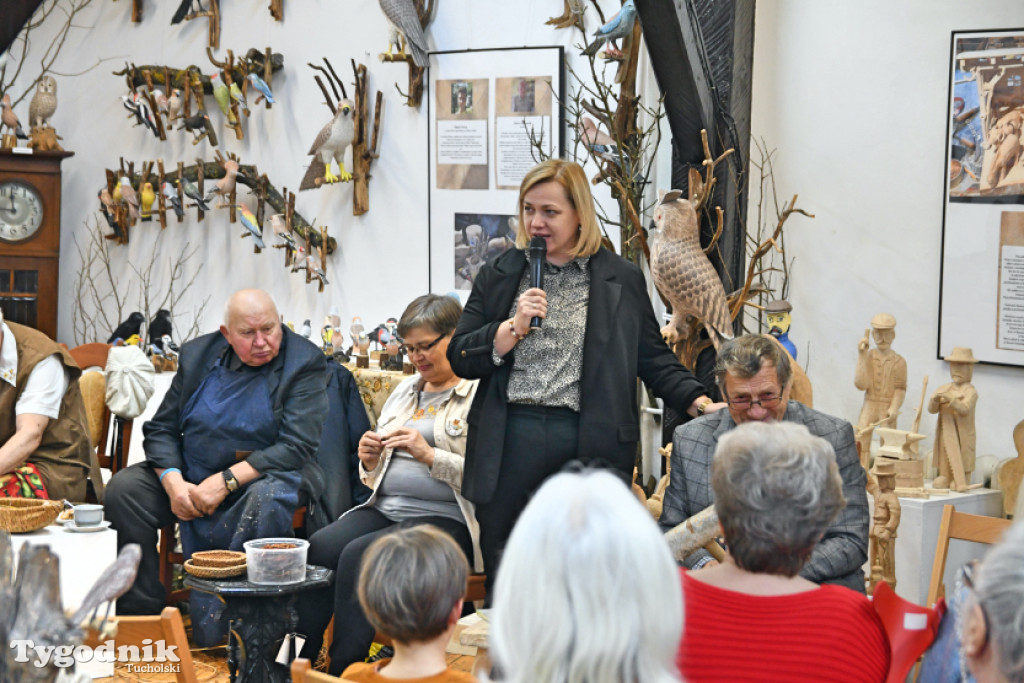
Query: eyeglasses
point(744, 402)
point(421, 348)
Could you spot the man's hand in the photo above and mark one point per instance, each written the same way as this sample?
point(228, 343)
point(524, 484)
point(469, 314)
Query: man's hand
point(209, 494)
point(412, 442)
point(181, 499)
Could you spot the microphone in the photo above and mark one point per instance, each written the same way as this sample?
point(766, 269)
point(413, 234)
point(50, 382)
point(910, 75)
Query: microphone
point(538, 254)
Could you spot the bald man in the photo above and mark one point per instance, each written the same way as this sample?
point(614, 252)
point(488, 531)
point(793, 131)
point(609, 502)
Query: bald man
point(225, 449)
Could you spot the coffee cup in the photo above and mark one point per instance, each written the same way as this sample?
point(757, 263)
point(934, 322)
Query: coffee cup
point(88, 515)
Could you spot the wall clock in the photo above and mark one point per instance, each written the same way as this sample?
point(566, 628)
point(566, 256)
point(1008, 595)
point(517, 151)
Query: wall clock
point(30, 194)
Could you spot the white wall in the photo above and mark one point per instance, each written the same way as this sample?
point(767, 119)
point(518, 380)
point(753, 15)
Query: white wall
point(381, 263)
point(854, 97)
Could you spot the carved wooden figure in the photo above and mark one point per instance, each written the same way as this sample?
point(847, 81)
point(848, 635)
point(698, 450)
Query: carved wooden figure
point(955, 433)
point(885, 521)
point(1009, 473)
point(882, 375)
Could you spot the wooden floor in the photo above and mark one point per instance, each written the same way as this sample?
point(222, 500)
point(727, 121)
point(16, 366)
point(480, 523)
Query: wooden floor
point(212, 667)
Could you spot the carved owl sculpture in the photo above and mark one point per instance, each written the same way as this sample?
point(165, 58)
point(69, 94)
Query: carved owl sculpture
point(683, 273)
point(43, 103)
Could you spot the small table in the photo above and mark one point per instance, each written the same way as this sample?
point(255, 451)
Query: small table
point(260, 615)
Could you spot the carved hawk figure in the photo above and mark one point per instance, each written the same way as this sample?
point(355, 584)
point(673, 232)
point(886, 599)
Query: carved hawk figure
point(44, 102)
point(330, 146)
point(683, 273)
point(405, 29)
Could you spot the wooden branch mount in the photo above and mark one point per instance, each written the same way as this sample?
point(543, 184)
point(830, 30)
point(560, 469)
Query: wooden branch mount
point(364, 148)
point(198, 174)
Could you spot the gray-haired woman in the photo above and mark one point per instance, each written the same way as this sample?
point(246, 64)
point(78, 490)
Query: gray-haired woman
point(413, 463)
point(777, 489)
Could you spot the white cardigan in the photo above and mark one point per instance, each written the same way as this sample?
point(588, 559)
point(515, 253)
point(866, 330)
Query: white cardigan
point(449, 446)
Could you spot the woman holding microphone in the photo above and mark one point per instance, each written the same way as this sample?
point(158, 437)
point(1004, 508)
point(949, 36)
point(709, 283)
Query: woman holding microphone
point(565, 390)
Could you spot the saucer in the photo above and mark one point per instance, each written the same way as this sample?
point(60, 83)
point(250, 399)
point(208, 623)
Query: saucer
point(71, 526)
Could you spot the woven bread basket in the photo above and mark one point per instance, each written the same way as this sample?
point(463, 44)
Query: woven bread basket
point(213, 572)
point(21, 515)
point(217, 558)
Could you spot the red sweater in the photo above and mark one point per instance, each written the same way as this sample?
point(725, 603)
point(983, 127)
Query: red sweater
point(828, 634)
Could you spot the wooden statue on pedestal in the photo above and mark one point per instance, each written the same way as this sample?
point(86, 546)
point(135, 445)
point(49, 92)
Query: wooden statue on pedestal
point(884, 523)
point(955, 434)
point(882, 376)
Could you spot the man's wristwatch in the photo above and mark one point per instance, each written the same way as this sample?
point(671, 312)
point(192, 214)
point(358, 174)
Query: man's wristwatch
point(703, 406)
point(230, 480)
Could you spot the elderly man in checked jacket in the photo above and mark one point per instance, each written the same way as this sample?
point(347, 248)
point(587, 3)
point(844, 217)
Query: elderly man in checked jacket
point(754, 375)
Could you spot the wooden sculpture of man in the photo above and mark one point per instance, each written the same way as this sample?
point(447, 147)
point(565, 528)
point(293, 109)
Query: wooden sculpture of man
point(885, 521)
point(882, 376)
point(955, 434)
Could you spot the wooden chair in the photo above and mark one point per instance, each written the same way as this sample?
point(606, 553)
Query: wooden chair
point(302, 672)
point(93, 387)
point(143, 631)
point(966, 527)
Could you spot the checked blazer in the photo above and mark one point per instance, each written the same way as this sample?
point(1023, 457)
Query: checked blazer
point(840, 554)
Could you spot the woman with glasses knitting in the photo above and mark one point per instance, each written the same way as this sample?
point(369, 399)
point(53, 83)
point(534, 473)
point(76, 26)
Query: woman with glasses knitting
point(753, 617)
point(413, 462)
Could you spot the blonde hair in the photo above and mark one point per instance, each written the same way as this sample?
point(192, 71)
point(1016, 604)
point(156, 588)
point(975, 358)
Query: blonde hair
point(573, 180)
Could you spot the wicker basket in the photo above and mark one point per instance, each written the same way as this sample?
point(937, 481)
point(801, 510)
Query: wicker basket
point(217, 558)
point(214, 572)
point(21, 515)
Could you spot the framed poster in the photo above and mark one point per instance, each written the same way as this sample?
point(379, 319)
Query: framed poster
point(981, 301)
point(492, 115)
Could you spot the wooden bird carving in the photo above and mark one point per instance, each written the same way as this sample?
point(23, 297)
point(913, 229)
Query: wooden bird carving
point(330, 146)
point(405, 29)
point(44, 102)
point(683, 273)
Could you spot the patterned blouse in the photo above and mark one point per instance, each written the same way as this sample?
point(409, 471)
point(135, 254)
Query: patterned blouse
point(548, 362)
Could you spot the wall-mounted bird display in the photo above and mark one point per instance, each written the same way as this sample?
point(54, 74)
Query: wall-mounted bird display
point(237, 96)
point(10, 119)
point(261, 87)
point(132, 325)
point(147, 199)
point(222, 94)
point(252, 225)
point(174, 104)
point(44, 102)
point(128, 197)
point(110, 214)
point(172, 198)
point(330, 145)
point(226, 185)
point(683, 273)
point(405, 30)
point(280, 228)
point(619, 26)
point(192, 192)
point(196, 125)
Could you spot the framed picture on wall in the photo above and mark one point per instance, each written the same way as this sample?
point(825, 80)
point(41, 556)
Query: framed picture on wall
point(492, 115)
point(981, 302)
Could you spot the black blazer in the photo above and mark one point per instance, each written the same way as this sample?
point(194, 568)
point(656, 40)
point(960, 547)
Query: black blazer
point(622, 342)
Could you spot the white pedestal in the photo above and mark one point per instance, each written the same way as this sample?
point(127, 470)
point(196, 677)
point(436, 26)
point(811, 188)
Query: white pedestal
point(918, 535)
point(83, 557)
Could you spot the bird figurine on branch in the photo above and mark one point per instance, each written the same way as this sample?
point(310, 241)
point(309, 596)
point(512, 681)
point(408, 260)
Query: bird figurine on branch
point(330, 145)
point(683, 273)
point(619, 26)
point(261, 87)
point(405, 30)
point(252, 225)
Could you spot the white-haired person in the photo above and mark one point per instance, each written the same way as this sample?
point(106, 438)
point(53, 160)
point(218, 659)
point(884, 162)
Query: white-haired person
point(588, 590)
point(992, 632)
point(753, 617)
